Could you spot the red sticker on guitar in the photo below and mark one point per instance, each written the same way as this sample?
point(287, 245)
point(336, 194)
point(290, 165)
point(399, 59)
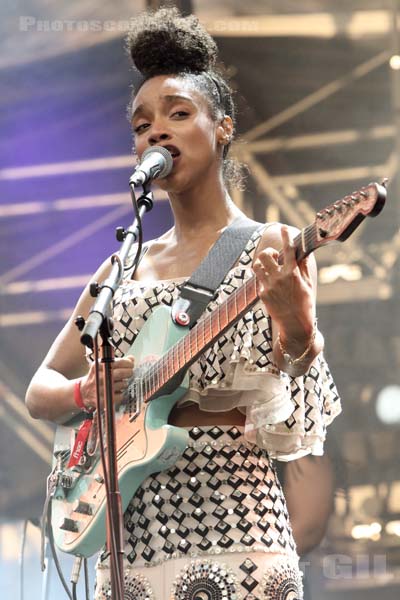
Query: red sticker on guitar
point(80, 441)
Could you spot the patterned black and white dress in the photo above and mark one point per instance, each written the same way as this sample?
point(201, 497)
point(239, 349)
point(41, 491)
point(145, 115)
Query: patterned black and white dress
point(215, 526)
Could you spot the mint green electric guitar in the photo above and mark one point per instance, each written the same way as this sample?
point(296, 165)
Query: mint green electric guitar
point(163, 351)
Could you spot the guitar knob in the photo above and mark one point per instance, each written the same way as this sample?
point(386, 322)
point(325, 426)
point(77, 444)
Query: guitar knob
point(69, 525)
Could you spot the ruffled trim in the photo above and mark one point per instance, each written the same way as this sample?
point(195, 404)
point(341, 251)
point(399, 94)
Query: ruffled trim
point(316, 404)
point(287, 416)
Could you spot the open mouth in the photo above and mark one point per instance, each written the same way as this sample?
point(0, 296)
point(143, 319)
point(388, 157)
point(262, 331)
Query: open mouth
point(173, 150)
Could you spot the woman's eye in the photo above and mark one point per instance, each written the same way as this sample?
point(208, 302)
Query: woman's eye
point(180, 113)
point(140, 128)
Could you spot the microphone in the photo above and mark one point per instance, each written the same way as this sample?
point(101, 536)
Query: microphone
point(156, 163)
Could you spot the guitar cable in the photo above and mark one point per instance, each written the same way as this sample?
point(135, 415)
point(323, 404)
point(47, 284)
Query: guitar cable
point(22, 560)
point(54, 551)
point(86, 573)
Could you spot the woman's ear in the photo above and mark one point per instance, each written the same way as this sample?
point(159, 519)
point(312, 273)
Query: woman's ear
point(225, 131)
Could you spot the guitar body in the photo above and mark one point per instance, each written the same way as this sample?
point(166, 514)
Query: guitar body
point(145, 444)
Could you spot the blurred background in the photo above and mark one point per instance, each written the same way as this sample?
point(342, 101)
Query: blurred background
point(318, 91)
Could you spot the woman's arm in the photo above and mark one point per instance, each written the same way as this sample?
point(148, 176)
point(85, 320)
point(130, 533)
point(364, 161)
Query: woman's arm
point(289, 294)
point(308, 486)
point(50, 394)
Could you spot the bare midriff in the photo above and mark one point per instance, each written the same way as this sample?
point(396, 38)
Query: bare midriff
point(187, 416)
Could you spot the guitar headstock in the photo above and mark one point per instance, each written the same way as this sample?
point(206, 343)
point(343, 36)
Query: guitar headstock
point(339, 220)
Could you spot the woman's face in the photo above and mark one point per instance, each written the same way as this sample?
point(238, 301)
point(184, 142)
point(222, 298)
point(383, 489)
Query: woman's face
point(168, 111)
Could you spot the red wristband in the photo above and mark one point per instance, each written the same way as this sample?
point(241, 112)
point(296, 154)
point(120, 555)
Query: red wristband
point(78, 396)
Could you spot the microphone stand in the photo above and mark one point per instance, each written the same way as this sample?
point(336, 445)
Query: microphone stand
point(99, 322)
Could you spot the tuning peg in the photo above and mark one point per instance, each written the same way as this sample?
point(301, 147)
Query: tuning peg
point(363, 194)
point(385, 182)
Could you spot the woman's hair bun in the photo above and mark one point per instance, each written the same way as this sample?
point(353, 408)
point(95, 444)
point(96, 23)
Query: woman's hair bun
point(165, 43)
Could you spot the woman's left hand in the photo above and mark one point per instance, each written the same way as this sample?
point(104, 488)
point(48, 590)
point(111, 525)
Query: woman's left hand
point(287, 290)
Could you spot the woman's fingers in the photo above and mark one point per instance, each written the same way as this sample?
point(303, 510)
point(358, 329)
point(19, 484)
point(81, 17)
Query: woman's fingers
point(122, 370)
point(288, 248)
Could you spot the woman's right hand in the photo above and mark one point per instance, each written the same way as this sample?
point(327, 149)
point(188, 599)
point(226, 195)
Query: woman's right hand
point(122, 370)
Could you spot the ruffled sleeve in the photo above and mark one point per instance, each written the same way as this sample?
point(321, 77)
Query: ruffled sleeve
point(285, 415)
point(315, 404)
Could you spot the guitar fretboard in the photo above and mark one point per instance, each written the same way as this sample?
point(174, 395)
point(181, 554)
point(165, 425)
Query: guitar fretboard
point(184, 352)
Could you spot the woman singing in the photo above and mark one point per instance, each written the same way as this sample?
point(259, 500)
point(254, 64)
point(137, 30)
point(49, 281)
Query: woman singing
point(215, 526)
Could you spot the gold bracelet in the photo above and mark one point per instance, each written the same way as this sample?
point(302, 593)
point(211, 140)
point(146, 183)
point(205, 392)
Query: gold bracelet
point(289, 359)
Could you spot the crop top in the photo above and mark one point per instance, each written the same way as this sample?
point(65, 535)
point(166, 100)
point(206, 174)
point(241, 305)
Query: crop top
point(288, 416)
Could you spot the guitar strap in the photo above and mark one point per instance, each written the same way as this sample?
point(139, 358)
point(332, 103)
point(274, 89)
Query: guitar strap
point(200, 289)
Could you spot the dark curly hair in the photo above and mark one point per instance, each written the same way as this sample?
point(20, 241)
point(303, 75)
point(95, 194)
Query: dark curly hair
point(165, 43)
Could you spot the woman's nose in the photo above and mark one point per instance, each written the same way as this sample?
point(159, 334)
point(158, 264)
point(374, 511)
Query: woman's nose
point(158, 136)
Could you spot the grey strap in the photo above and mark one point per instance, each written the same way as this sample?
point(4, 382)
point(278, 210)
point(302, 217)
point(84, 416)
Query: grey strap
point(200, 289)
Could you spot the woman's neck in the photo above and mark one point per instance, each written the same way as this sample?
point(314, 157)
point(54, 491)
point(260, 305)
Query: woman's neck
point(202, 213)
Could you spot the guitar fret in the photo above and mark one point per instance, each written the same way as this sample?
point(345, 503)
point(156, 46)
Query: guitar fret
point(203, 334)
point(160, 373)
point(186, 346)
point(210, 331)
point(175, 361)
point(151, 384)
point(172, 359)
point(193, 341)
point(180, 349)
point(240, 300)
point(214, 323)
point(230, 308)
point(145, 385)
point(206, 328)
point(254, 288)
point(236, 306)
point(161, 379)
point(154, 375)
point(222, 317)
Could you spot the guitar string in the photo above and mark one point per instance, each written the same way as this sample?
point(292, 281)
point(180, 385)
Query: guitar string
point(149, 378)
point(154, 371)
point(308, 234)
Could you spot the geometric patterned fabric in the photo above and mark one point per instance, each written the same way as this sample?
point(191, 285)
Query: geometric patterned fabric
point(221, 498)
point(221, 495)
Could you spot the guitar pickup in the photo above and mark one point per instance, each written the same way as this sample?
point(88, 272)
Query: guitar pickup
point(84, 508)
point(69, 525)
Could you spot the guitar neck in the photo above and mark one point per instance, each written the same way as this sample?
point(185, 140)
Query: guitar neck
point(186, 351)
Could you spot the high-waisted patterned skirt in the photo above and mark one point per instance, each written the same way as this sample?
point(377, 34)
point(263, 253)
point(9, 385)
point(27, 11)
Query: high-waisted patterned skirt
point(213, 527)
